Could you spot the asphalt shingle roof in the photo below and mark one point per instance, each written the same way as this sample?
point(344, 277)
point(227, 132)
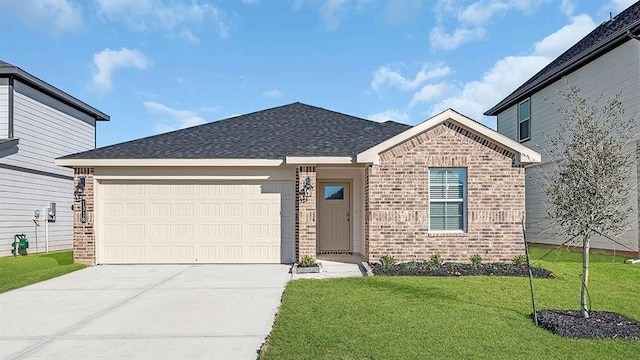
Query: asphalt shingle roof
point(291, 130)
point(608, 35)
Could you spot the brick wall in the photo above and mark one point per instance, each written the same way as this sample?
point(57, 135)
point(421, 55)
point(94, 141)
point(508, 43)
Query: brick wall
point(306, 214)
point(397, 193)
point(84, 243)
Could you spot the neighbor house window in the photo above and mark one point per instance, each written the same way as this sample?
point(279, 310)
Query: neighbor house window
point(524, 120)
point(447, 193)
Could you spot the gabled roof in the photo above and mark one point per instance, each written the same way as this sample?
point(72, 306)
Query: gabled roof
point(294, 130)
point(7, 70)
point(525, 155)
point(605, 37)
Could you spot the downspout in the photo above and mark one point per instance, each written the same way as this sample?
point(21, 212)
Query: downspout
point(10, 124)
point(631, 35)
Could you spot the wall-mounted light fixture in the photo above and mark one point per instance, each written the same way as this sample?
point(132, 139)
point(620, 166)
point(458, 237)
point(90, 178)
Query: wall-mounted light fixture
point(305, 190)
point(79, 192)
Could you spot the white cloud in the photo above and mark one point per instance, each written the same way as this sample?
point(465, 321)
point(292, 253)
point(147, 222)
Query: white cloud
point(172, 119)
point(567, 7)
point(475, 97)
point(272, 93)
point(430, 92)
point(440, 39)
point(331, 12)
point(188, 36)
point(163, 14)
point(107, 61)
point(385, 75)
point(556, 43)
point(56, 15)
point(392, 114)
point(471, 20)
point(251, 2)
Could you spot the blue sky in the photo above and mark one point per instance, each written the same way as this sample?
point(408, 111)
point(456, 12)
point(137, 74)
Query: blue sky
point(161, 65)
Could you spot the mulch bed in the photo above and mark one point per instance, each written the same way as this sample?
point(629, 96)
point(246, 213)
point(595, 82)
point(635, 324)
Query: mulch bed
point(599, 325)
point(427, 268)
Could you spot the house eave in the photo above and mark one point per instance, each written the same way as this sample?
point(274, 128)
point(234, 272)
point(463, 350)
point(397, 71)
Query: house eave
point(513, 98)
point(71, 163)
point(525, 155)
point(317, 160)
point(54, 92)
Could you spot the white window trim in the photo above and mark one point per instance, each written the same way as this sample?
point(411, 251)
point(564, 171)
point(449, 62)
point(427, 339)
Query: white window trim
point(463, 200)
point(520, 121)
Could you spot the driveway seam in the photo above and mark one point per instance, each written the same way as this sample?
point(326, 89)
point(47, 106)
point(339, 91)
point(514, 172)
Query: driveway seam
point(84, 322)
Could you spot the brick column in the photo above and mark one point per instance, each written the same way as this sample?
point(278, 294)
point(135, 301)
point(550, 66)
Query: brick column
point(306, 213)
point(84, 243)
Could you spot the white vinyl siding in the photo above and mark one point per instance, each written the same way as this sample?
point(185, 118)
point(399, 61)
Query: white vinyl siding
point(524, 120)
point(447, 199)
point(29, 178)
point(20, 194)
point(617, 71)
point(46, 134)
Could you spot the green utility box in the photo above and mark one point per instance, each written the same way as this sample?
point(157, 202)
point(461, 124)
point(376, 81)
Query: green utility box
point(20, 242)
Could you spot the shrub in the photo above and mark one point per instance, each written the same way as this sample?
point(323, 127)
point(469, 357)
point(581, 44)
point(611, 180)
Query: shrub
point(307, 261)
point(411, 265)
point(436, 259)
point(476, 260)
point(519, 259)
point(387, 261)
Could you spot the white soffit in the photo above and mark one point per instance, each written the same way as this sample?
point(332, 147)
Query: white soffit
point(167, 162)
point(302, 160)
point(526, 155)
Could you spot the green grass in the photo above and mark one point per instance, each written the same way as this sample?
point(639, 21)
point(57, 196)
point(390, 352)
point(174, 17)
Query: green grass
point(460, 318)
point(19, 271)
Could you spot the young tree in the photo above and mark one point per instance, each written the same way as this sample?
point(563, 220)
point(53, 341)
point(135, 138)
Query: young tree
point(589, 190)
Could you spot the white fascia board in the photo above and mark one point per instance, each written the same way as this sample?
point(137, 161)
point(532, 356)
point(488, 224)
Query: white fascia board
point(526, 155)
point(304, 160)
point(186, 177)
point(167, 162)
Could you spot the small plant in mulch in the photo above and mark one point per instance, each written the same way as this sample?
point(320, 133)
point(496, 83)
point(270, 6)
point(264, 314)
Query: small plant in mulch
point(437, 267)
point(599, 324)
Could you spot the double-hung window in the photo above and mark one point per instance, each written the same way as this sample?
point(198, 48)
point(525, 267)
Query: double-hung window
point(524, 120)
point(447, 199)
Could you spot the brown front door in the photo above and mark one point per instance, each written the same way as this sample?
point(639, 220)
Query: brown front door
point(334, 206)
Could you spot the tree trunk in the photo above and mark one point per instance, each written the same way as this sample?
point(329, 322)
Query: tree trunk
point(584, 311)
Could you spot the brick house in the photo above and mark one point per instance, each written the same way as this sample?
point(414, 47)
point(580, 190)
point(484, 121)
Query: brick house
point(278, 184)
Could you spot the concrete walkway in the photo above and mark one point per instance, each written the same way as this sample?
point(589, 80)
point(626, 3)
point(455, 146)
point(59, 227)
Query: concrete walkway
point(335, 266)
point(144, 312)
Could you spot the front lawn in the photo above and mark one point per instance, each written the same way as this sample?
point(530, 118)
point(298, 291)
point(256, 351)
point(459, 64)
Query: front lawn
point(19, 271)
point(451, 317)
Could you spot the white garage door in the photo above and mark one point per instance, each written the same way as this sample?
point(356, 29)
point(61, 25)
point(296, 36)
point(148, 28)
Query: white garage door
point(240, 222)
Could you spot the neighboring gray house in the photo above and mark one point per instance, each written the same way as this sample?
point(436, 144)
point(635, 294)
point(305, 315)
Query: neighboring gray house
point(604, 63)
point(39, 123)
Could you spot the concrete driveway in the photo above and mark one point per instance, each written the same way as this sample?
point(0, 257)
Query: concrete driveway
point(143, 312)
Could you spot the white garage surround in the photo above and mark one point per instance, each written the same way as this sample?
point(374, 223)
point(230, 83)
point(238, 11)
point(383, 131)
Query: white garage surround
point(177, 221)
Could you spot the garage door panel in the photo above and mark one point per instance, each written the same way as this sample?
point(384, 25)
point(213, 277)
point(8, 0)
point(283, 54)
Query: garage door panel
point(196, 223)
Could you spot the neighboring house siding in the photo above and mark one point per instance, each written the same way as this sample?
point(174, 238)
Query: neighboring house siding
point(397, 189)
point(4, 110)
point(20, 194)
point(618, 71)
point(508, 123)
point(29, 178)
